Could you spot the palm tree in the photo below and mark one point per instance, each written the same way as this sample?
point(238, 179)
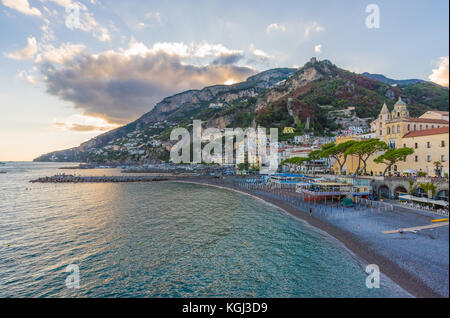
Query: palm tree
point(437, 168)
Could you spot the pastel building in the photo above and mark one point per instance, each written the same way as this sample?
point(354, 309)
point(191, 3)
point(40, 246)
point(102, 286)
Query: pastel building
point(427, 135)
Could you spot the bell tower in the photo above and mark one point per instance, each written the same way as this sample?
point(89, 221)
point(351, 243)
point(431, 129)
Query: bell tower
point(400, 110)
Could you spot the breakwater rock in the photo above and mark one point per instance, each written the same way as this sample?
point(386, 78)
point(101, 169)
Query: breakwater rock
point(96, 179)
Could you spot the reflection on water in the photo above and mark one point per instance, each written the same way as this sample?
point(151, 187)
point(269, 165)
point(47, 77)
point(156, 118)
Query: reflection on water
point(162, 240)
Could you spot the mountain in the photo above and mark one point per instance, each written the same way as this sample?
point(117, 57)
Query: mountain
point(390, 81)
point(175, 109)
point(319, 94)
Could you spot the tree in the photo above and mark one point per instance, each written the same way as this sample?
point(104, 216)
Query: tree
point(392, 156)
point(429, 188)
point(298, 161)
point(437, 168)
point(365, 149)
point(337, 152)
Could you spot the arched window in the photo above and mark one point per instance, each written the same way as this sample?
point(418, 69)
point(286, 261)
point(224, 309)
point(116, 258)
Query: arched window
point(420, 127)
point(388, 130)
point(398, 129)
point(415, 127)
point(398, 114)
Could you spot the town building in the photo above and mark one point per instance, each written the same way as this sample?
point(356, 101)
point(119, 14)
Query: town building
point(428, 135)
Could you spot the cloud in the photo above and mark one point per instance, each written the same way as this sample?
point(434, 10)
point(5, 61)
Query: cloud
point(313, 27)
point(261, 54)
point(80, 123)
point(121, 85)
point(80, 128)
point(440, 74)
point(28, 76)
point(27, 52)
point(275, 27)
point(22, 6)
point(90, 25)
point(231, 58)
point(87, 22)
point(62, 55)
point(318, 49)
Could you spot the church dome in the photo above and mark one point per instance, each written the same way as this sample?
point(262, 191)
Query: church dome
point(400, 102)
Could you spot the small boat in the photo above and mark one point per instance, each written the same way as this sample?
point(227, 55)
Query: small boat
point(2, 172)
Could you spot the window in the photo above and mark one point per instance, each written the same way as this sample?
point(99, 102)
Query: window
point(409, 127)
point(416, 145)
point(442, 143)
point(428, 144)
point(442, 158)
point(426, 127)
point(404, 145)
point(420, 127)
point(432, 126)
point(381, 133)
point(416, 158)
point(398, 114)
point(429, 158)
point(414, 127)
point(388, 130)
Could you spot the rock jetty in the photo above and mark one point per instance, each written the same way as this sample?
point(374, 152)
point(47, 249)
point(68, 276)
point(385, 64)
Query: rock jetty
point(63, 178)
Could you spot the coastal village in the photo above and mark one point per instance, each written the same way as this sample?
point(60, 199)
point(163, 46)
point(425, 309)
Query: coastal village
point(395, 158)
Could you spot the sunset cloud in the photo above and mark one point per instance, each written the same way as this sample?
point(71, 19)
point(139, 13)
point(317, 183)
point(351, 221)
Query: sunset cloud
point(80, 123)
point(61, 55)
point(27, 53)
point(22, 6)
point(440, 74)
point(121, 85)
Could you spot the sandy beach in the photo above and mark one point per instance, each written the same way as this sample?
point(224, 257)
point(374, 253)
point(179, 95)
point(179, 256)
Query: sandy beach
point(418, 262)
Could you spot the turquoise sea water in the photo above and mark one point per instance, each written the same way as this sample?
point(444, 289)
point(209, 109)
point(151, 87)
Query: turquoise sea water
point(163, 240)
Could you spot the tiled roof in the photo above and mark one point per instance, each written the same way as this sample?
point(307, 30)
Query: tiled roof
point(427, 121)
point(442, 112)
point(427, 132)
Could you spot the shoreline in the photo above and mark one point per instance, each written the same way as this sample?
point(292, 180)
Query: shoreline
point(403, 278)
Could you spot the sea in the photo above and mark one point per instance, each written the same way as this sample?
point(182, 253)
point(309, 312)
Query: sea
point(162, 239)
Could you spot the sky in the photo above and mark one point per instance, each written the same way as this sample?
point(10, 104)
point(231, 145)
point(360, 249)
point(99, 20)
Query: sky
point(71, 70)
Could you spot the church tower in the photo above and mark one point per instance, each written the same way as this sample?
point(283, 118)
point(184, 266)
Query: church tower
point(400, 110)
point(378, 125)
point(384, 114)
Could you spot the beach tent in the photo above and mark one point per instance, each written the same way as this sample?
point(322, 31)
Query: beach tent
point(348, 203)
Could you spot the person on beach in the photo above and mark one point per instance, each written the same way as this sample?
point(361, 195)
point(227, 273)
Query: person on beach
point(310, 211)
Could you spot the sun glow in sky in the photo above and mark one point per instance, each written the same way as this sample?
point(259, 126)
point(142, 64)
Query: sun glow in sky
point(230, 82)
point(63, 83)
